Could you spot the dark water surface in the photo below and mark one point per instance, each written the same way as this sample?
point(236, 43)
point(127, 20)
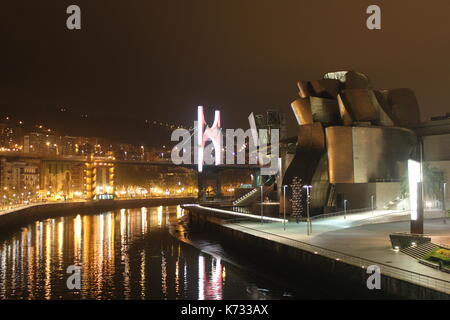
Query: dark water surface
point(124, 254)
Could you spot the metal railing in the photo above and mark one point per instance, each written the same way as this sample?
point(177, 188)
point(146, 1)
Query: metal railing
point(388, 270)
point(340, 213)
point(348, 213)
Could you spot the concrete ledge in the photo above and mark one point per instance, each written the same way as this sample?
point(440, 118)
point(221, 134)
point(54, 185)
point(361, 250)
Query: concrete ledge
point(429, 264)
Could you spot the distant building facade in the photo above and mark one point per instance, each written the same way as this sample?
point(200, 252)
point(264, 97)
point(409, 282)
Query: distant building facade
point(19, 175)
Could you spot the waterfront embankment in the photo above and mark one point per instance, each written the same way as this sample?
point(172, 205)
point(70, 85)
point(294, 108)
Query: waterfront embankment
point(36, 211)
point(343, 255)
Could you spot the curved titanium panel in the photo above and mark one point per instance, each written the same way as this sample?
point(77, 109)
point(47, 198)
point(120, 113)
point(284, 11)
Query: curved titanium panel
point(346, 117)
point(325, 111)
point(310, 148)
point(404, 106)
point(351, 79)
point(314, 109)
point(340, 154)
point(378, 152)
point(323, 88)
point(361, 104)
point(320, 185)
point(303, 89)
point(302, 111)
point(387, 118)
point(356, 80)
point(368, 154)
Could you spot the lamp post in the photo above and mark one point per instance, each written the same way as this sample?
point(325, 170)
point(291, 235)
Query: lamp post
point(262, 202)
point(308, 220)
point(345, 209)
point(444, 204)
point(284, 207)
point(371, 199)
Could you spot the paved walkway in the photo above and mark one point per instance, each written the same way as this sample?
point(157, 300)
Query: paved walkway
point(361, 236)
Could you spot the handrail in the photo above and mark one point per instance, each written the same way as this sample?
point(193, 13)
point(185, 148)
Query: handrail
point(340, 213)
point(349, 212)
point(18, 206)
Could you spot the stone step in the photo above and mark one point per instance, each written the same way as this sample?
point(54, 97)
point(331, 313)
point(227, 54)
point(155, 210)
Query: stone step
point(420, 251)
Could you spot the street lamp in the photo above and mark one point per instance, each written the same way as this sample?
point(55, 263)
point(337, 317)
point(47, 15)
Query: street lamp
point(284, 207)
point(444, 204)
point(345, 209)
point(308, 220)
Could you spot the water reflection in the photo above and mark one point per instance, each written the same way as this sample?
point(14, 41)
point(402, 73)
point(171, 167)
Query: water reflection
point(124, 254)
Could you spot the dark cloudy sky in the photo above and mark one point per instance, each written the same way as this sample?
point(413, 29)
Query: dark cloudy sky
point(157, 60)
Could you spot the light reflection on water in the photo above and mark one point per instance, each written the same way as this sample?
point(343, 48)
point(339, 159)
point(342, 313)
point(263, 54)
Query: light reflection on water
point(124, 254)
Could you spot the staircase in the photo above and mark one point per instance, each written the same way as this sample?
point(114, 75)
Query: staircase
point(255, 194)
point(420, 251)
point(246, 198)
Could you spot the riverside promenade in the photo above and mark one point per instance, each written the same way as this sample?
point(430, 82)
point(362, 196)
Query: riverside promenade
point(359, 240)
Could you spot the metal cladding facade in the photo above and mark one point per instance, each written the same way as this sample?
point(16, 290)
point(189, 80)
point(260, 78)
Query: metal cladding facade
point(302, 111)
point(368, 154)
point(404, 107)
point(309, 151)
point(350, 133)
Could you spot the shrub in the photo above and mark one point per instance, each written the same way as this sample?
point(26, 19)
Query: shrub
point(439, 255)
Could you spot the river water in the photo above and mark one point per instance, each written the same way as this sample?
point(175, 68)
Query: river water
point(144, 253)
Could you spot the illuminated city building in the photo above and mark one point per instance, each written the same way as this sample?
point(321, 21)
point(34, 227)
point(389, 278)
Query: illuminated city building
point(11, 136)
point(353, 141)
point(19, 175)
point(99, 180)
point(41, 143)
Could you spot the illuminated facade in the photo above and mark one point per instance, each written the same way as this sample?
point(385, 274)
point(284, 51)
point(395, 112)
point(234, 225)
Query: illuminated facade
point(353, 141)
point(99, 180)
point(19, 176)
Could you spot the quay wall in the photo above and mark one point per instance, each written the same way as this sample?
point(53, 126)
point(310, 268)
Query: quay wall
point(34, 212)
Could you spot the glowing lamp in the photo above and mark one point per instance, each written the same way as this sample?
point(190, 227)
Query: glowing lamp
point(414, 176)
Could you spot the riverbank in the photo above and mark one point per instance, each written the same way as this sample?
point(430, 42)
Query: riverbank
point(33, 212)
point(345, 255)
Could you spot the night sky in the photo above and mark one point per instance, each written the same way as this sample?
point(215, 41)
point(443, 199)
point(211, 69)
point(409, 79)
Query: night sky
point(158, 60)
